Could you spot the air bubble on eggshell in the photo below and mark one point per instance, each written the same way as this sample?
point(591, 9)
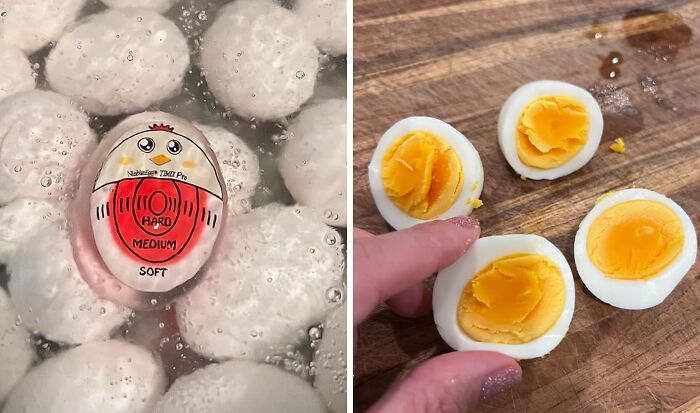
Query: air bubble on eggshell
point(235, 297)
point(113, 63)
point(240, 386)
point(16, 352)
point(101, 376)
point(32, 24)
point(330, 360)
point(250, 57)
point(22, 218)
point(45, 139)
point(16, 74)
point(313, 161)
point(239, 166)
point(51, 297)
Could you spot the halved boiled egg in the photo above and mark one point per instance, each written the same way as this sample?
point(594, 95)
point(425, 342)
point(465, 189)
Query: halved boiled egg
point(424, 169)
point(634, 247)
point(548, 129)
point(513, 294)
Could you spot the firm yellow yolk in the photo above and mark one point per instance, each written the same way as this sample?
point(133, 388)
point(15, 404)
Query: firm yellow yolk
point(635, 240)
point(422, 175)
point(513, 300)
point(551, 131)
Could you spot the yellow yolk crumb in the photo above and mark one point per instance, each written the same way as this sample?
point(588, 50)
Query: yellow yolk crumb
point(523, 178)
point(551, 131)
point(635, 240)
point(618, 146)
point(513, 300)
point(422, 175)
point(476, 203)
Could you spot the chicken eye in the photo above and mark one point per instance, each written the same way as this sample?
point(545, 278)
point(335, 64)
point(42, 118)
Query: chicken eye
point(146, 144)
point(174, 147)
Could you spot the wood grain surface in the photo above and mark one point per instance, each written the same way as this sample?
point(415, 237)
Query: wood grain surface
point(459, 61)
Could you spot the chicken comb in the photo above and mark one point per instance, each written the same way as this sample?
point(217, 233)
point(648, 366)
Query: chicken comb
point(161, 127)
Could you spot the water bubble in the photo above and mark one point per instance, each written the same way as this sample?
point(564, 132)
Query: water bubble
point(202, 15)
point(315, 333)
point(312, 250)
point(46, 181)
point(17, 168)
point(178, 346)
point(154, 301)
point(253, 333)
point(36, 66)
point(3, 14)
point(161, 325)
point(300, 74)
point(328, 214)
point(334, 295)
point(330, 238)
point(139, 19)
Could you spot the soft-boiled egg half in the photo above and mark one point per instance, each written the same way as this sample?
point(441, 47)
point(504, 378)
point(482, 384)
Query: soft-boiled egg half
point(424, 169)
point(634, 247)
point(548, 129)
point(513, 294)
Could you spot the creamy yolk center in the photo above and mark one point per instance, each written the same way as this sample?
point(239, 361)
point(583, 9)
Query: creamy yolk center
point(513, 300)
point(551, 131)
point(422, 175)
point(635, 240)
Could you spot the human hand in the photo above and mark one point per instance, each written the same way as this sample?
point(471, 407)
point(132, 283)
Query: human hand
point(391, 268)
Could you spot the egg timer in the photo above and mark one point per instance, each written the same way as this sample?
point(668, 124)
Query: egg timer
point(149, 210)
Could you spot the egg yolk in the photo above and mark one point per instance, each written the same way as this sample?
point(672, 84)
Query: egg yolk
point(422, 175)
point(513, 300)
point(634, 240)
point(551, 131)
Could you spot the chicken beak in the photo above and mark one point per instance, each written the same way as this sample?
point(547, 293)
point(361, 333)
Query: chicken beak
point(160, 159)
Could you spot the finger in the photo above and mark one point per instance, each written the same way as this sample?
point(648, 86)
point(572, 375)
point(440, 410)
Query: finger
point(415, 301)
point(361, 233)
point(387, 264)
point(453, 382)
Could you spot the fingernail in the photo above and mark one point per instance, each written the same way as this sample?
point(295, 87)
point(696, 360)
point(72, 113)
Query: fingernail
point(465, 222)
point(500, 381)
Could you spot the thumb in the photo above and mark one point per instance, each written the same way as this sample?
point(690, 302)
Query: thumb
point(452, 382)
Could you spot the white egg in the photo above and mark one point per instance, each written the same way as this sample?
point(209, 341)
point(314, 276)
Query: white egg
point(240, 386)
point(119, 61)
point(634, 294)
point(515, 106)
point(326, 21)
point(451, 282)
point(473, 172)
point(21, 219)
point(161, 6)
point(50, 295)
point(258, 59)
point(16, 74)
point(330, 360)
point(16, 352)
point(44, 139)
point(31, 24)
point(313, 161)
point(269, 280)
point(239, 165)
point(101, 376)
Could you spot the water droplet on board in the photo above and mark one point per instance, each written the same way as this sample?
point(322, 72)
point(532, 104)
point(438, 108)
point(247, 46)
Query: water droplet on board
point(610, 65)
point(659, 34)
point(46, 181)
point(334, 295)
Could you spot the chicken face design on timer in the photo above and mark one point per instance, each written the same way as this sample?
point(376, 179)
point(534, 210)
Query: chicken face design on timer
point(156, 204)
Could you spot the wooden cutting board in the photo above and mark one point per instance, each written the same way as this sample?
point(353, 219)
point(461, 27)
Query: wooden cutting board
point(459, 61)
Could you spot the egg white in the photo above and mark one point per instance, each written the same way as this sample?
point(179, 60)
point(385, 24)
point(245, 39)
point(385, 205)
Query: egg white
point(473, 171)
point(634, 294)
point(513, 109)
point(451, 281)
